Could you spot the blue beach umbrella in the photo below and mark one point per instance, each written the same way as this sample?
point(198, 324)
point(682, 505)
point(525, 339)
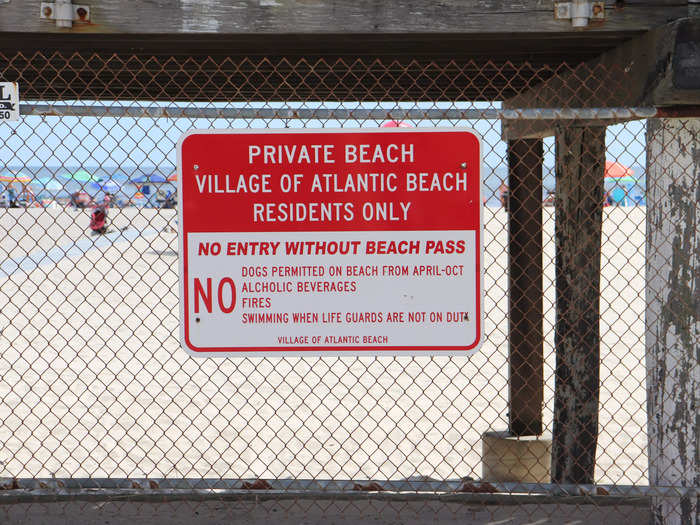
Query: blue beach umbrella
point(108, 186)
point(119, 178)
point(48, 184)
point(153, 178)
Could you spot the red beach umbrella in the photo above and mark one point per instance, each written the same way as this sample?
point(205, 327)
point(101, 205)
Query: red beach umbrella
point(396, 124)
point(615, 170)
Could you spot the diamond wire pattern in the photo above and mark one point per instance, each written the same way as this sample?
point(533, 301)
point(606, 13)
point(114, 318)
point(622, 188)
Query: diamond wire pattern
point(93, 382)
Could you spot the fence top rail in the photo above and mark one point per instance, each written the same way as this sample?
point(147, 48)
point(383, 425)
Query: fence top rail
point(285, 112)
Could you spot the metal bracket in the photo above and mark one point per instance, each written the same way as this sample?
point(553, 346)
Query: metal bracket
point(579, 11)
point(64, 12)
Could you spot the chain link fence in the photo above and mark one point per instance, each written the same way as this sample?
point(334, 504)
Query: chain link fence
point(96, 393)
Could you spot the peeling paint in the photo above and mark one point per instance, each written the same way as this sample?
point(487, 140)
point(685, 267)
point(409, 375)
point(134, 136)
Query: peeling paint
point(673, 314)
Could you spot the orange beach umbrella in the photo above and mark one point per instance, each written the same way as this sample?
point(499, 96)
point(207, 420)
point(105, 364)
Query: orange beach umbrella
point(11, 179)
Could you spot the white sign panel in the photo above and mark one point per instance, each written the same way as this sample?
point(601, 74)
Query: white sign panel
point(362, 242)
point(9, 101)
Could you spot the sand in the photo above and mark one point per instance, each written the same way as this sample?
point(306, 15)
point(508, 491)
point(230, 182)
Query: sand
point(94, 383)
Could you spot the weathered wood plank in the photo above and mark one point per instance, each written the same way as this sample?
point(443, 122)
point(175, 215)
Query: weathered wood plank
point(333, 16)
point(673, 313)
point(525, 306)
point(580, 163)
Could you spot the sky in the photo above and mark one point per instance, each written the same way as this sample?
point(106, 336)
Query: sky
point(129, 142)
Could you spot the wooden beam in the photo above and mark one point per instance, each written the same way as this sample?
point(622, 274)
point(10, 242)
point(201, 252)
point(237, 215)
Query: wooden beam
point(580, 164)
point(334, 16)
point(535, 48)
point(525, 307)
point(91, 76)
point(660, 68)
point(673, 313)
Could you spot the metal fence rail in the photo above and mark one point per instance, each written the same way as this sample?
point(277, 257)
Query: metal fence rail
point(135, 111)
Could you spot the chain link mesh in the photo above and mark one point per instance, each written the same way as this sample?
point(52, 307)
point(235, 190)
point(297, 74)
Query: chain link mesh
point(94, 388)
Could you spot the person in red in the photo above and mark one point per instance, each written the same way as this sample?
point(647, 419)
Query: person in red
point(98, 218)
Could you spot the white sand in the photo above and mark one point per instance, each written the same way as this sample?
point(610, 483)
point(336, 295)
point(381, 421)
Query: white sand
point(93, 381)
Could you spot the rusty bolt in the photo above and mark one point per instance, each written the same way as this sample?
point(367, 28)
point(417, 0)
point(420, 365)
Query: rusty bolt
point(47, 11)
point(82, 13)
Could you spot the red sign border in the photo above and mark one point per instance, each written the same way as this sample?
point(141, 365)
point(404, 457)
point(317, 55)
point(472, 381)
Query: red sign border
point(326, 351)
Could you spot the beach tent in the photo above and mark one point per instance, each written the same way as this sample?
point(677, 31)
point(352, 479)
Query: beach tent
point(25, 196)
point(144, 183)
point(619, 179)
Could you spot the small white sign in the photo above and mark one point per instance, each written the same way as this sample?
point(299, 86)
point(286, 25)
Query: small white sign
point(9, 101)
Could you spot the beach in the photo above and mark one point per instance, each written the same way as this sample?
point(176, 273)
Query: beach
point(94, 382)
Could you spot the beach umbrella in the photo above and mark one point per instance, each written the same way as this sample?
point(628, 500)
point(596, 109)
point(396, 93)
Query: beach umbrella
point(139, 199)
point(13, 178)
point(48, 184)
point(621, 180)
point(615, 170)
point(108, 186)
point(81, 176)
point(120, 178)
point(148, 179)
point(396, 124)
point(617, 173)
point(172, 178)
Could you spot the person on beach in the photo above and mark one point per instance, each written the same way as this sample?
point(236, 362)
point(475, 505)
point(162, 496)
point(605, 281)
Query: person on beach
point(12, 198)
point(503, 195)
point(608, 199)
point(98, 218)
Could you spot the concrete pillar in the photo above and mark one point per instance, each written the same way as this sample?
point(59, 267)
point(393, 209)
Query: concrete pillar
point(673, 314)
point(525, 459)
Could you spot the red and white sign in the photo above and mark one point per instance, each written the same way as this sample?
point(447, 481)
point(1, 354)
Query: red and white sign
point(330, 242)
